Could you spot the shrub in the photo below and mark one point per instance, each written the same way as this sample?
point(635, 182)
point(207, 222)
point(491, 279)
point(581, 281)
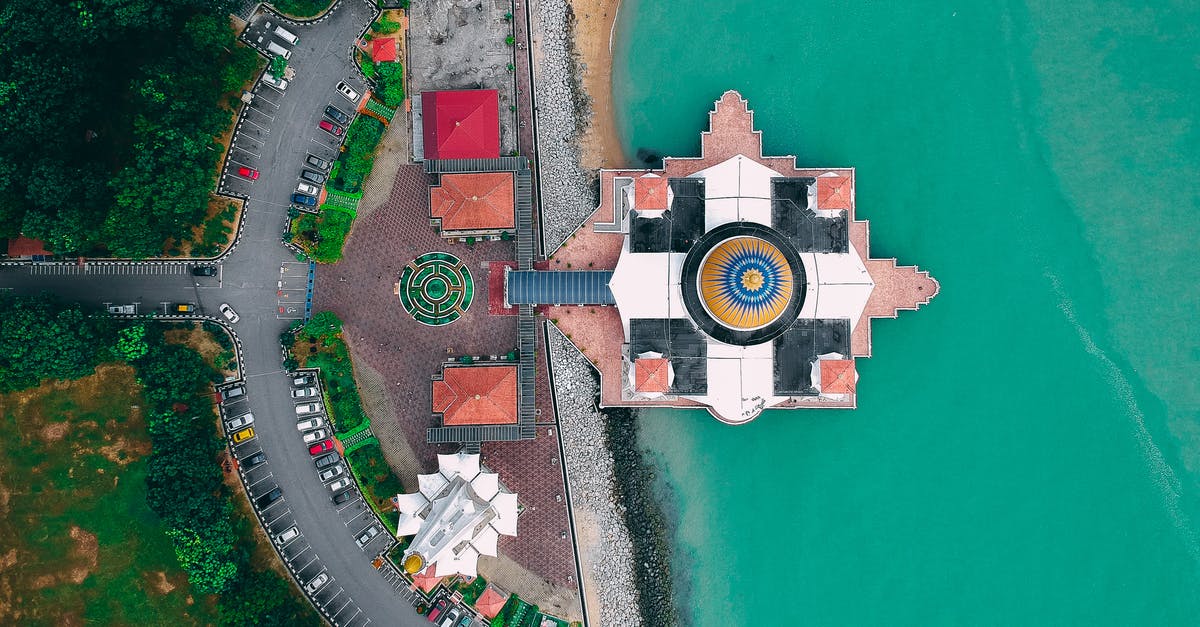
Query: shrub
point(391, 84)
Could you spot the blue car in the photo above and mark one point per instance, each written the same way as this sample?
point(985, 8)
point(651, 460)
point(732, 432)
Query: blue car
point(304, 199)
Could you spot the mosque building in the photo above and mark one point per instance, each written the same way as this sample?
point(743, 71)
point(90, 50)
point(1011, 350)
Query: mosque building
point(730, 281)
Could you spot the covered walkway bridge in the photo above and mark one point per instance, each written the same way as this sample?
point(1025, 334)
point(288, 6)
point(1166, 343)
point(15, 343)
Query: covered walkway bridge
point(578, 287)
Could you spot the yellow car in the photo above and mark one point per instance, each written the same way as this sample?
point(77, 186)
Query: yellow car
point(243, 435)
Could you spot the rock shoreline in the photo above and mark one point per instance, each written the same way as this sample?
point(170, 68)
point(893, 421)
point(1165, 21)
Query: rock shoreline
point(612, 487)
point(569, 193)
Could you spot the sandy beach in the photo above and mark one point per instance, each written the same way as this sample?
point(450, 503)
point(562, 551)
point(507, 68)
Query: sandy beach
point(600, 144)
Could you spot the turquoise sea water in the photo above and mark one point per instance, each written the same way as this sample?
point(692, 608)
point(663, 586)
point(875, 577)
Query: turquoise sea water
point(1027, 447)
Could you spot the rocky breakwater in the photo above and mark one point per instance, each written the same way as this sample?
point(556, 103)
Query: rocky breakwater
point(563, 110)
point(628, 575)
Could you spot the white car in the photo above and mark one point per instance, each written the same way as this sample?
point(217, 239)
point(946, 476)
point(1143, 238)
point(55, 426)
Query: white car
point(311, 190)
point(229, 313)
point(346, 91)
point(239, 422)
point(287, 535)
point(311, 423)
point(302, 380)
point(304, 392)
point(344, 482)
point(331, 472)
point(315, 435)
point(308, 408)
point(366, 536)
point(315, 583)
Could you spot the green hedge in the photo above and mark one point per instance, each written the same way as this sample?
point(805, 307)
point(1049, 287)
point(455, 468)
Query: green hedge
point(322, 236)
point(358, 156)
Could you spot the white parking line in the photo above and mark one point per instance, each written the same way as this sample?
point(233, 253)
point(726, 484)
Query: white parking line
point(269, 475)
point(247, 151)
point(343, 607)
point(307, 564)
point(249, 121)
point(276, 503)
point(348, 504)
point(242, 136)
point(232, 160)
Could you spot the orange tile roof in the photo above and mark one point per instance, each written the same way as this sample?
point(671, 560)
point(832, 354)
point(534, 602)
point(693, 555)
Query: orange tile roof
point(383, 49)
point(476, 395)
point(650, 192)
point(833, 192)
point(651, 375)
point(472, 202)
point(22, 246)
point(837, 376)
point(427, 579)
point(490, 602)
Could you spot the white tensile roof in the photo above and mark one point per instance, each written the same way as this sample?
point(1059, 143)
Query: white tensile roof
point(462, 464)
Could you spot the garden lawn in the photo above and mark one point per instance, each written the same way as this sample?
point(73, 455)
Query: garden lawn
point(329, 353)
point(301, 8)
point(322, 236)
point(376, 480)
point(88, 548)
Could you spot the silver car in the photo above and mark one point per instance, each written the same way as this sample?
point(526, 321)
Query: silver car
point(304, 392)
point(239, 422)
point(315, 435)
point(308, 408)
point(311, 423)
point(331, 472)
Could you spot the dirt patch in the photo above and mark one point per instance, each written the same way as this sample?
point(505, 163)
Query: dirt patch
point(159, 581)
point(216, 205)
point(55, 431)
point(8, 560)
point(202, 342)
point(86, 547)
point(123, 451)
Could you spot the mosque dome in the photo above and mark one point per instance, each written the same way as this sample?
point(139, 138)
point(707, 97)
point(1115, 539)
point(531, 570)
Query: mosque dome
point(413, 564)
point(746, 283)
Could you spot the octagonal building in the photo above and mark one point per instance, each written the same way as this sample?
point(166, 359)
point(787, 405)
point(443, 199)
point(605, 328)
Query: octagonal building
point(730, 281)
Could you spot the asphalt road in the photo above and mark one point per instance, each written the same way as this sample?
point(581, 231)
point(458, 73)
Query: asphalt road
point(273, 136)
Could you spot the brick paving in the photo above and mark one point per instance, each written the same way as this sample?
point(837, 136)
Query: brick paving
point(383, 337)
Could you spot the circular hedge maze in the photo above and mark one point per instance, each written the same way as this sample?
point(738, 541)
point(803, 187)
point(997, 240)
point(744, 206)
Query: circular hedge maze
point(436, 288)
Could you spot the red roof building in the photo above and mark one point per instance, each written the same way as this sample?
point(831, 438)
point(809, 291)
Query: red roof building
point(22, 246)
point(833, 192)
point(474, 202)
point(652, 375)
point(490, 602)
point(838, 376)
point(461, 124)
point(427, 579)
point(383, 49)
point(476, 395)
point(650, 193)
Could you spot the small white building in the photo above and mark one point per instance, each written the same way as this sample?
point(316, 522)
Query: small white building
point(457, 515)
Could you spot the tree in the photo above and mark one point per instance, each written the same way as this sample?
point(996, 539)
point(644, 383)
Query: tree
point(131, 342)
point(391, 84)
point(42, 338)
point(278, 65)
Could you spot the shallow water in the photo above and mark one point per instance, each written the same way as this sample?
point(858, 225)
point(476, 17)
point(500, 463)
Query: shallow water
point(1026, 448)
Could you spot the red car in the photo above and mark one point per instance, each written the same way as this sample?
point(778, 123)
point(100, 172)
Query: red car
point(330, 127)
point(437, 610)
point(324, 446)
point(249, 173)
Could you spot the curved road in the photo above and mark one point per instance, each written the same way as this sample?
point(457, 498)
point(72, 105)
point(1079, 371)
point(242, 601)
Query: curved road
point(273, 136)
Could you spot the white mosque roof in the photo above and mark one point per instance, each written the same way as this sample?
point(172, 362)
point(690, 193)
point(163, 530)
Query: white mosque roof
point(410, 507)
point(486, 485)
point(485, 541)
point(462, 464)
point(738, 188)
point(506, 513)
point(430, 485)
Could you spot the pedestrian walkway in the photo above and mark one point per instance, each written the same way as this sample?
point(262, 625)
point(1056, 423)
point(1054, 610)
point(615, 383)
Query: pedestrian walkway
point(108, 269)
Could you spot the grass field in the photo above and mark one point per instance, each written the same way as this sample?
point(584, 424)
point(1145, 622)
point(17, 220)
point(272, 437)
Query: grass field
point(78, 544)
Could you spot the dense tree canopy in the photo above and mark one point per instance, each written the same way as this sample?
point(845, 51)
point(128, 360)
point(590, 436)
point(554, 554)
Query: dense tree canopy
point(108, 111)
point(41, 338)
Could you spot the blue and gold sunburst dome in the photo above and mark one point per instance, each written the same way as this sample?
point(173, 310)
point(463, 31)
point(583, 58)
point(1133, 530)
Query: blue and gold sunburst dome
point(745, 283)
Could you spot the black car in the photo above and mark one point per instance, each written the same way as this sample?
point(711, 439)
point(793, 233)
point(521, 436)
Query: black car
point(336, 115)
point(254, 460)
point(317, 162)
point(304, 199)
point(312, 177)
point(342, 497)
point(204, 271)
point(270, 497)
point(326, 460)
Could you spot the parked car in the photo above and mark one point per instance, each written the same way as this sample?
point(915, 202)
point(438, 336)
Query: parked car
point(342, 497)
point(314, 435)
point(315, 583)
point(451, 616)
point(317, 162)
point(465, 621)
point(122, 310)
point(324, 446)
point(204, 271)
point(348, 92)
point(243, 435)
point(313, 177)
point(337, 115)
point(302, 380)
point(183, 308)
point(304, 199)
point(239, 422)
point(327, 460)
point(233, 392)
point(311, 423)
point(366, 536)
point(254, 460)
point(249, 173)
point(229, 313)
point(308, 408)
point(304, 392)
point(331, 472)
point(287, 535)
point(344, 482)
point(269, 497)
point(437, 610)
point(331, 128)
point(271, 79)
point(305, 188)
